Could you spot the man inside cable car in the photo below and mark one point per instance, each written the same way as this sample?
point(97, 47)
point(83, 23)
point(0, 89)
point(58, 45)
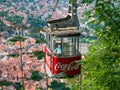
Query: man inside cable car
point(58, 50)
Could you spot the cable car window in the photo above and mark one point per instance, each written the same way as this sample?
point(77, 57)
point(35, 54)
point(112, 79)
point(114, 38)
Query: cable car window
point(70, 46)
point(57, 47)
point(66, 46)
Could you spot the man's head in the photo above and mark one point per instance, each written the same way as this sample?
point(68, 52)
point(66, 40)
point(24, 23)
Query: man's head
point(58, 45)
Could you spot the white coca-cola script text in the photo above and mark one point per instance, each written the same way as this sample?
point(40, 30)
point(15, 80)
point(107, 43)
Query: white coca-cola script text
point(63, 67)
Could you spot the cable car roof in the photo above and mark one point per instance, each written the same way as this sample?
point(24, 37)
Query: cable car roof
point(67, 26)
point(59, 20)
point(64, 32)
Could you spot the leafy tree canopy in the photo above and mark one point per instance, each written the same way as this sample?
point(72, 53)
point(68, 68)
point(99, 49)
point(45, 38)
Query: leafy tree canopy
point(36, 76)
point(5, 83)
point(15, 19)
point(101, 67)
point(55, 85)
point(2, 1)
point(3, 13)
point(36, 22)
point(16, 38)
point(39, 54)
point(17, 86)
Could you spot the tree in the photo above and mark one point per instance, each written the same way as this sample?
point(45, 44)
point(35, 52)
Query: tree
point(3, 13)
point(5, 83)
point(36, 26)
point(101, 66)
point(55, 85)
point(36, 76)
point(15, 19)
point(36, 22)
point(3, 28)
point(3, 1)
point(17, 85)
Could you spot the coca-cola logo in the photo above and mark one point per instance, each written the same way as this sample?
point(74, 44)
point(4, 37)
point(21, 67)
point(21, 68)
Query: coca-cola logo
point(66, 67)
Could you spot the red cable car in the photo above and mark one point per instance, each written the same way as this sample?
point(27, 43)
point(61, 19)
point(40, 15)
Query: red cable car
point(62, 47)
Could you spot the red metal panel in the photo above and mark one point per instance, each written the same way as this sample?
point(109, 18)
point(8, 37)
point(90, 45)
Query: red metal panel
point(48, 59)
point(67, 65)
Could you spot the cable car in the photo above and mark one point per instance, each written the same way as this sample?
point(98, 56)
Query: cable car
point(62, 49)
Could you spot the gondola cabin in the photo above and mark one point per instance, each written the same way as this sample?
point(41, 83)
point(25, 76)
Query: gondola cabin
point(62, 49)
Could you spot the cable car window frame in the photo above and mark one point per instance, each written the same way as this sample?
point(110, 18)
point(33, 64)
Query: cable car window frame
point(73, 45)
point(48, 38)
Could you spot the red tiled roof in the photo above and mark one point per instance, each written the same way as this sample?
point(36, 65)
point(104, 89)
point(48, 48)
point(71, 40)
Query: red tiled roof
point(17, 44)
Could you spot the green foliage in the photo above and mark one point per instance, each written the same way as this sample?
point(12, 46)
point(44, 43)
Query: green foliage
point(5, 83)
point(72, 1)
point(2, 26)
point(76, 85)
point(16, 38)
point(60, 75)
point(101, 68)
point(14, 55)
point(87, 34)
point(17, 85)
point(40, 38)
point(15, 19)
point(35, 22)
point(3, 13)
point(36, 25)
point(31, 0)
point(39, 54)
point(55, 85)
point(3, 1)
point(87, 1)
point(1, 23)
point(9, 42)
point(36, 76)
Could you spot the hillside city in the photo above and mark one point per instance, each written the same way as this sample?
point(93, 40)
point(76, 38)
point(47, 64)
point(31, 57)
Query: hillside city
point(28, 12)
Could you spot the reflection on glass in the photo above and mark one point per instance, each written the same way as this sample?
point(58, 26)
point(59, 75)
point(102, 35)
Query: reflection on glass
point(67, 46)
